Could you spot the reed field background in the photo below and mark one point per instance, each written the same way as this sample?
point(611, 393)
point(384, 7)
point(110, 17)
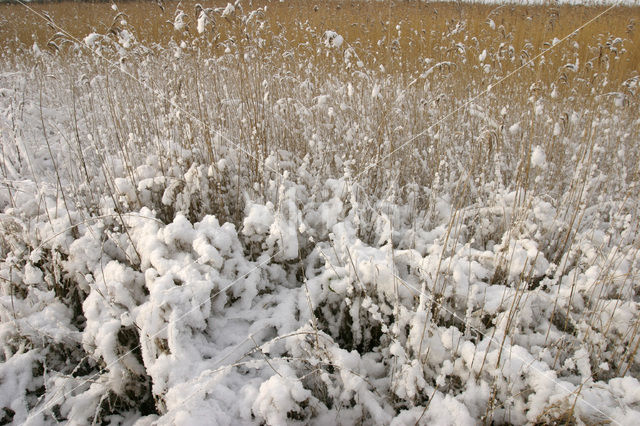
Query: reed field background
point(319, 212)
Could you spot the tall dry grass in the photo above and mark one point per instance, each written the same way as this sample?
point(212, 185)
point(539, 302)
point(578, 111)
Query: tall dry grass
point(407, 91)
point(396, 35)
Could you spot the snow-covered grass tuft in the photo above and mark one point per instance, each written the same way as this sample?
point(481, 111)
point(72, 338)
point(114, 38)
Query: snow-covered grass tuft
point(257, 223)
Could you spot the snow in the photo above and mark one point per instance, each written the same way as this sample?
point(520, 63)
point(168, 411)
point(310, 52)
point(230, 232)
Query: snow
point(258, 220)
point(203, 20)
point(538, 157)
point(278, 396)
point(186, 286)
point(91, 39)
point(333, 39)
point(179, 22)
point(228, 10)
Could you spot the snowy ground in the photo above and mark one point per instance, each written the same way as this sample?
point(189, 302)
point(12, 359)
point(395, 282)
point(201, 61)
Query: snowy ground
point(142, 283)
